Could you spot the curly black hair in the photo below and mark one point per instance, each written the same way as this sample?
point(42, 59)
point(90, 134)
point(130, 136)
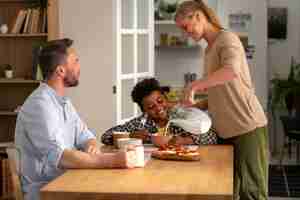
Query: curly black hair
point(143, 89)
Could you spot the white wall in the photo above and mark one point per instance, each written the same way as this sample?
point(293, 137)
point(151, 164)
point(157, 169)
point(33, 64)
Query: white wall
point(172, 64)
point(258, 37)
point(280, 52)
point(91, 26)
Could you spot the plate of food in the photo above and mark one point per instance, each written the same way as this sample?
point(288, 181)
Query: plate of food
point(172, 152)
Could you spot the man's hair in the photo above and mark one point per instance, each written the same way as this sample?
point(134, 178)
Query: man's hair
point(54, 53)
point(144, 88)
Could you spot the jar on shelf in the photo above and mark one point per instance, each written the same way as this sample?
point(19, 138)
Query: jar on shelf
point(3, 29)
point(164, 39)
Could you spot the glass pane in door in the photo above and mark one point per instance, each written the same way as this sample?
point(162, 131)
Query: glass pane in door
point(143, 53)
point(127, 13)
point(143, 14)
point(135, 52)
point(127, 64)
point(127, 103)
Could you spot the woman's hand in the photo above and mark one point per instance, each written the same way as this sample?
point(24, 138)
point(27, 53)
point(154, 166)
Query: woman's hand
point(195, 86)
point(140, 134)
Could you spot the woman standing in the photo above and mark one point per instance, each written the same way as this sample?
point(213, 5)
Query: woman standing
point(236, 113)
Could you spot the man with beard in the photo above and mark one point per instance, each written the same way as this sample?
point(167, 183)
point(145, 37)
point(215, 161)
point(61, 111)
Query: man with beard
point(50, 135)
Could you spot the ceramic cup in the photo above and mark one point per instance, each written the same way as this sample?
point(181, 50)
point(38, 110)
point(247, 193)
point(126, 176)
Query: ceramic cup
point(3, 28)
point(8, 73)
point(125, 144)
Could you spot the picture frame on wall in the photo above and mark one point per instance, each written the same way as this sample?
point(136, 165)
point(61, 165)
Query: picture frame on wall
point(240, 22)
point(277, 23)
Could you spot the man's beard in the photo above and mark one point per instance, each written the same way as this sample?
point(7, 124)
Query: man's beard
point(71, 81)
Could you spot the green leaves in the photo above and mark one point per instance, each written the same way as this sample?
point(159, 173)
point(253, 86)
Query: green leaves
point(168, 7)
point(37, 3)
point(281, 88)
point(284, 89)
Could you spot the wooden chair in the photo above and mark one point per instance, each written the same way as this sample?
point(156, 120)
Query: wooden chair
point(13, 160)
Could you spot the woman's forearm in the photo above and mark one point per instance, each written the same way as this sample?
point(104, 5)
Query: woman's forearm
point(220, 77)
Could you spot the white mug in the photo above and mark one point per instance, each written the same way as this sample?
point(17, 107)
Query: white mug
point(3, 28)
point(126, 144)
point(8, 73)
point(139, 155)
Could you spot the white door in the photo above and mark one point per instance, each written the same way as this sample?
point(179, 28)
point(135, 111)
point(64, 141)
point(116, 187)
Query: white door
point(135, 52)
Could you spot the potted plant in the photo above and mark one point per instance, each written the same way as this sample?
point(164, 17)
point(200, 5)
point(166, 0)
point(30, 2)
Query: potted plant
point(167, 10)
point(286, 92)
point(8, 71)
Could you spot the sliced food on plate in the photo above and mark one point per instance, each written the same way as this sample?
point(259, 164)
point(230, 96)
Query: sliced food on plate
point(172, 152)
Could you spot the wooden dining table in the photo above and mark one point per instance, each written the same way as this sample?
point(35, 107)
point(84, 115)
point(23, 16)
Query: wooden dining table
point(210, 178)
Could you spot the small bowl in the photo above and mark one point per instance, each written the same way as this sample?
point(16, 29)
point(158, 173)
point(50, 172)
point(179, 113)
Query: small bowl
point(160, 140)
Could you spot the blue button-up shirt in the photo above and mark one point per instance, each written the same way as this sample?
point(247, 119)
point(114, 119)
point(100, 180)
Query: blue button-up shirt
point(47, 124)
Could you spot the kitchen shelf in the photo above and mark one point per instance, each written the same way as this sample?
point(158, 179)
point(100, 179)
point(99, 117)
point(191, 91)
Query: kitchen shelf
point(165, 22)
point(21, 35)
point(12, 1)
point(18, 80)
point(6, 144)
point(10, 197)
point(8, 113)
point(177, 47)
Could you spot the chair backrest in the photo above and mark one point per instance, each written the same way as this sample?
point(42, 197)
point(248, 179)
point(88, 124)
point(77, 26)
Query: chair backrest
point(285, 123)
point(13, 160)
point(290, 124)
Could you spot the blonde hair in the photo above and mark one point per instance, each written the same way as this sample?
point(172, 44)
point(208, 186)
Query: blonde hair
point(187, 8)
